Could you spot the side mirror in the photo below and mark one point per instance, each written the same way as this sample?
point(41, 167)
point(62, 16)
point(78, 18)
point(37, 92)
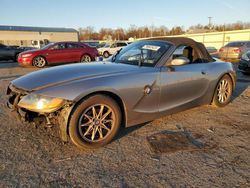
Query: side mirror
point(180, 61)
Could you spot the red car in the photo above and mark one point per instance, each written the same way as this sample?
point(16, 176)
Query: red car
point(60, 52)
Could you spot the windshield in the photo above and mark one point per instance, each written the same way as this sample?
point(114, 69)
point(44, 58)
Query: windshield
point(47, 46)
point(106, 46)
point(146, 53)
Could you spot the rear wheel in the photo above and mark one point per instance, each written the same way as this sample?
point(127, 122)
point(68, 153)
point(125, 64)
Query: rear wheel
point(95, 122)
point(223, 92)
point(85, 58)
point(39, 62)
point(106, 54)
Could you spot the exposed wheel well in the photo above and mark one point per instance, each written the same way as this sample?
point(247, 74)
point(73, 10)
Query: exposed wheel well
point(233, 80)
point(107, 93)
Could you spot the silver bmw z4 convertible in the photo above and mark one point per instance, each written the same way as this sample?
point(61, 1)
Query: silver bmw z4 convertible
point(145, 80)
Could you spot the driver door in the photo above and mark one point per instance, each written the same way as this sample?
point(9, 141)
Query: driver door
point(58, 54)
point(183, 84)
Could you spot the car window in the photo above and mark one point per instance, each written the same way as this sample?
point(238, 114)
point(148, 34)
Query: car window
point(248, 44)
point(211, 49)
point(92, 44)
point(59, 46)
point(106, 46)
point(113, 45)
point(145, 52)
point(48, 46)
point(72, 45)
point(178, 51)
point(121, 44)
point(235, 44)
point(188, 52)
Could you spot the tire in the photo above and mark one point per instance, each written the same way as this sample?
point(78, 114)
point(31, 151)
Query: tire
point(223, 92)
point(106, 54)
point(39, 62)
point(88, 131)
point(86, 58)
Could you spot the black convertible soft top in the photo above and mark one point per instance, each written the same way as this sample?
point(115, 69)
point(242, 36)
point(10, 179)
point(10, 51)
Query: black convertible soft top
point(177, 41)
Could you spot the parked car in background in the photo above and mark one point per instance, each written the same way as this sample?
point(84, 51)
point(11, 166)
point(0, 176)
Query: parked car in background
point(144, 81)
point(91, 43)
point(110, 49)
point(27, 48)
point(212, 51)
point(244, 65)
point(9, 52)
point(233, 50)
point(100, 45)
point(60, 52)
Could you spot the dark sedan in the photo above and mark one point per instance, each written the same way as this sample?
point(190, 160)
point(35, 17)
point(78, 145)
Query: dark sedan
point(244, 65)
point(141, 82)
point(9, 52)
point(60, 52)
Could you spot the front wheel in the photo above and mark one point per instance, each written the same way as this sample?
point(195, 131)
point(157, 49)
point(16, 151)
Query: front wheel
point(106, 54)
point(85, 58)
point(223, 92)
point(95, 122)
point(39, 62)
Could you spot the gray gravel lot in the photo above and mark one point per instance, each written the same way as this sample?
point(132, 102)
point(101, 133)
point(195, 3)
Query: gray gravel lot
point(36, 157)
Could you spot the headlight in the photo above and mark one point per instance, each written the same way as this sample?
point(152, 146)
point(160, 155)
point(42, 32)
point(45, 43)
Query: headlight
point(26, 55)
point(245, 57)
point(38, 103)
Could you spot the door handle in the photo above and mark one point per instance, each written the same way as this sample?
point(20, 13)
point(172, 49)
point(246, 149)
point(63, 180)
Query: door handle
point(203, 72)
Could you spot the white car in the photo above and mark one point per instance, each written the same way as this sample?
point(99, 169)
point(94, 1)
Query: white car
point(110, 49)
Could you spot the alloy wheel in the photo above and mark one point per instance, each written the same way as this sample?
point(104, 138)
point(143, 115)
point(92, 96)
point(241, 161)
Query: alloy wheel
point(96, 123)
point(86, 58)
point(39, 62)
point(223, 91)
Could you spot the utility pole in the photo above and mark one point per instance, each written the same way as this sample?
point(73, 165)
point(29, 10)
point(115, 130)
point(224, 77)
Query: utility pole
point(152, 29)
point(210, 22)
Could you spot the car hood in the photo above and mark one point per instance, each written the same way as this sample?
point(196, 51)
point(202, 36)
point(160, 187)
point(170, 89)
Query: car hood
point(66, 73)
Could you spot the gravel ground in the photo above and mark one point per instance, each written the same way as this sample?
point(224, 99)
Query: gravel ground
point(36, 157)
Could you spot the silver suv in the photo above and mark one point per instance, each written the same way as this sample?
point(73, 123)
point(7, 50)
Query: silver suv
point(110, 49)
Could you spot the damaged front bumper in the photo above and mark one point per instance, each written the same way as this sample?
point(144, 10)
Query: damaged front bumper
point(60, 117)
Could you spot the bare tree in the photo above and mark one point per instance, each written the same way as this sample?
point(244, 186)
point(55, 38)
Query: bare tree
point(89, 33)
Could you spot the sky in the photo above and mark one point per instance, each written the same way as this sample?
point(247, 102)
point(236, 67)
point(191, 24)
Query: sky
point(121, 13)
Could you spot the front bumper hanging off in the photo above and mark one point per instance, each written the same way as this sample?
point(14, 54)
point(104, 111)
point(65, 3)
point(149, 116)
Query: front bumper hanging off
point(60, 117)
